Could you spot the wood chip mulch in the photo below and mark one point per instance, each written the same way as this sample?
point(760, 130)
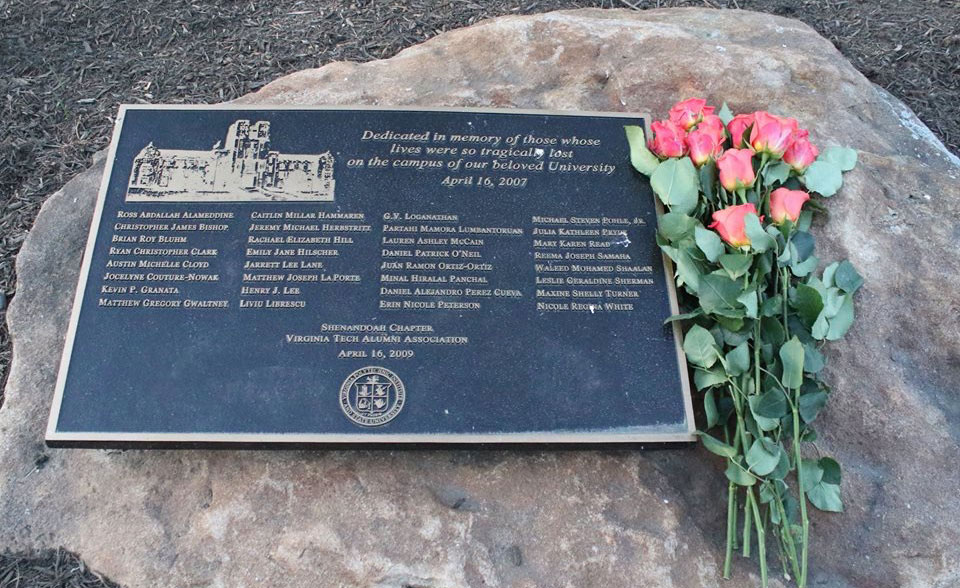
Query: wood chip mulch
point(52, 568)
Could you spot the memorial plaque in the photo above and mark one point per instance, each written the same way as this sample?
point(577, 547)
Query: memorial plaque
point(299, 276)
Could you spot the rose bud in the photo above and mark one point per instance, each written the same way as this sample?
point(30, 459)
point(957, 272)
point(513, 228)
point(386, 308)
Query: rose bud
point(689, 112)
point(801, 153)
point(772, 134)
point(737, 127)
point(667, 139)
point(736, 169)
point(729, 222)
point(704, 145)
point(786, 204)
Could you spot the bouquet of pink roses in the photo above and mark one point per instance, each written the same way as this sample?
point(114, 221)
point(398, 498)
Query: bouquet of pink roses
point(738, 193)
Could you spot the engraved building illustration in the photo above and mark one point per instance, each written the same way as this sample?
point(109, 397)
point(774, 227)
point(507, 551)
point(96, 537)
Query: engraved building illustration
point(241, 168)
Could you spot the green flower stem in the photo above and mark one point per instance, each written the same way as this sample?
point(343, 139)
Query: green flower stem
point(746, 523)
point(731, 527)
point(795, 409)
point(785, 286)
point(751, 499)
point(756, 356)
point(781, 544)
point(804, 541)
point(761, 537)
point(787, 536)
point(740, 444)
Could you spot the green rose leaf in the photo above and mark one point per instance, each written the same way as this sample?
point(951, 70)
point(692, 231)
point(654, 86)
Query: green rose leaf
point(840, 323)
point(772, 404)
point(739, 476)
point(738, 360)
point(706, 378)
point(735, 264)
point(820, 327)
point(700, 347)
point(763, 423)
point(759, 239)
point(685, 316)
point(675, 181)
point(802, 245)
point(831, 470)
point(832, 302)
point(821, 287)
point(846, 277)
point(733, 336)
point(708, 180)
point(843, 157)
point(709, 242)
point(828, 273)
point(710, 409)
point(765, 495)
point(717, 446)
point(826, 497)
point(811, 472)
point(718, 295)
point(813, 360)
point(825, 493)
point(808, 304)
point(687, 268)
point(642, 159)
point(772, 306)
point(725, 114)
point(791, 354)
point(772, 332)
point(749, 301)
point(796, 327)
point(763, 456)
point(674, 226)
point(783, 467)
point(786, 256)
point(804, 268)
point(811, 404)
point(776, 174)
point(823, 177)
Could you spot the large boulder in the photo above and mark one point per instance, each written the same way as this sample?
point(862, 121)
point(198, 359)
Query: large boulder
point(546, 518)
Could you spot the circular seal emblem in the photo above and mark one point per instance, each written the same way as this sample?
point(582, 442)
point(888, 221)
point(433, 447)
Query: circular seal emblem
point(372, 396)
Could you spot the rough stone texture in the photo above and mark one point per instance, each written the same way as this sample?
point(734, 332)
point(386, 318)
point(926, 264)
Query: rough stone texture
point(535, 518)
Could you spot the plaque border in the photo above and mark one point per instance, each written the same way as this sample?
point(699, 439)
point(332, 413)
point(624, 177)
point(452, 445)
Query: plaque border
point(652, 435)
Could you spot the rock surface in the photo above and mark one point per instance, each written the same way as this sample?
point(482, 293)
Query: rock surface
point(538, 518)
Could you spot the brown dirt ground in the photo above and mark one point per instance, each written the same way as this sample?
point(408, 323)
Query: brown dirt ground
point(65, 66)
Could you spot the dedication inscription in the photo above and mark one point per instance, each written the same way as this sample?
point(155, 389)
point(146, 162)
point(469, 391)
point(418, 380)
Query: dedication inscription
point(359, 275)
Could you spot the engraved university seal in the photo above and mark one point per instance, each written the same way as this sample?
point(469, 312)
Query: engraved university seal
point(372, 396)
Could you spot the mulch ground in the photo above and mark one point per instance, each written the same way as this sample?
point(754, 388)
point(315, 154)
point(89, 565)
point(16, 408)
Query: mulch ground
point(53, 568)
point(65, 66)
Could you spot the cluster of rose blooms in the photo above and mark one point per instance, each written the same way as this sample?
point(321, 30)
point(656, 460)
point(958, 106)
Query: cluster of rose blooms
point(693, 130)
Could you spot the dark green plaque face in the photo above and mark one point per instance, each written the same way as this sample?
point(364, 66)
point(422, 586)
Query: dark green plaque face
point(353, 275)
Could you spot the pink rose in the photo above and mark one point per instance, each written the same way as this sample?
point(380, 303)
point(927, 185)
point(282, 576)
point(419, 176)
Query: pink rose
point(712, 124)
point(772, 134)
point(667, 139)
point(801, 153)
point(729, 222)
point(689, 112)
point(737, 127)
point(704, 145)
point(787, 204)
point(736, 169)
